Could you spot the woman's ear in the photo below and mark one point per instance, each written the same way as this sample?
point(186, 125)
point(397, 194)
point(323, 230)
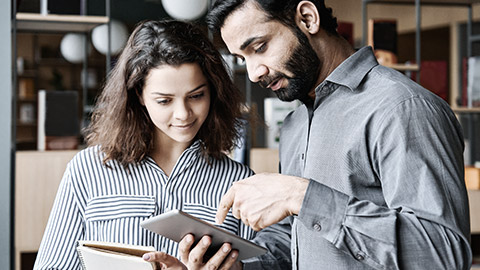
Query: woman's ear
point(307, 17)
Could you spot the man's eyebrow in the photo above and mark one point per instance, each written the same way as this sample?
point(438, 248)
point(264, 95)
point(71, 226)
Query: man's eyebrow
point(248, 42)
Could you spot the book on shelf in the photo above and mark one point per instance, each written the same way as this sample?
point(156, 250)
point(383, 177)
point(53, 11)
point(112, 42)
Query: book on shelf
point(58, 120)
point(473, 82)
point(434, 77)
point(96, 255)
point(26, 88)
point(345, 29)
point(382, 36)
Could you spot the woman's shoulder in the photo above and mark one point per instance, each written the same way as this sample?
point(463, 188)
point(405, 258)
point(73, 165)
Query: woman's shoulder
point(91, 152)
point(91, 156)
point(230, 164)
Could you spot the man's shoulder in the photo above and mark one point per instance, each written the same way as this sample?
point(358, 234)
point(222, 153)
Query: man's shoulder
point(394, 86)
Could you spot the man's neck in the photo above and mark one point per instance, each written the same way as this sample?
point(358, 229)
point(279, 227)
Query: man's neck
point(332, 51)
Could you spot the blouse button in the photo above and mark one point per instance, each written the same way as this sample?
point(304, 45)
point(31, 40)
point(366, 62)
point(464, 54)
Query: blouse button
point(317, 227)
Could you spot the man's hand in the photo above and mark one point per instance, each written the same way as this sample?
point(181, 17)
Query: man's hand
point(225, 258)
point(263, 199)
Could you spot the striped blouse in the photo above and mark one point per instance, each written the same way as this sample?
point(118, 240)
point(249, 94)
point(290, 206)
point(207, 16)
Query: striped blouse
point(96, 202)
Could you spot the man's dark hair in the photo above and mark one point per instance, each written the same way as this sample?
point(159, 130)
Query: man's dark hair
point(280, 10)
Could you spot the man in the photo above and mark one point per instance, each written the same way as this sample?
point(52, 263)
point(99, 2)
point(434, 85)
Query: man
point(371, 164)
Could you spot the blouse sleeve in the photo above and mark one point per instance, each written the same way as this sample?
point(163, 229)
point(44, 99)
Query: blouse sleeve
point(65, 226)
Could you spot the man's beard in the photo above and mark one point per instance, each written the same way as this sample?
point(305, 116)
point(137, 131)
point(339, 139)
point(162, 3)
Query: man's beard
point(304, 64)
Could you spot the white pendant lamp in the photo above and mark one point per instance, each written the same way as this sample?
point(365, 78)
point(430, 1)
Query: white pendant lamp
point(72, 47)
point(185, 9)
point(118, 35)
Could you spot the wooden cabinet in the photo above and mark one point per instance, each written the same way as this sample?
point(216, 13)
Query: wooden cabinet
point(38, 175)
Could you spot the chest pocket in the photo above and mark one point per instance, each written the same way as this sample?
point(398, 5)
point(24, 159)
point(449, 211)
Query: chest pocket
point(208, 213)
point(119, 206)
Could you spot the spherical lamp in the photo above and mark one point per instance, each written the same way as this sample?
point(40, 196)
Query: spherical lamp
point(185, 9)
point(72, 47)
point(118, 37)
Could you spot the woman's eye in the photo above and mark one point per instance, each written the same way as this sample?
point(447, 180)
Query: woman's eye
point(197, 96)
point(163, 101)
point(261, 48)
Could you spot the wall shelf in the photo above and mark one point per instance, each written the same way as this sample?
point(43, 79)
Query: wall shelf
point(403, 67)
point(58, 23)
point(466, 109)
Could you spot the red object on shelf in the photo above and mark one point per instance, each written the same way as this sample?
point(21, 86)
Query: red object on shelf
point(434, 77)
point(345, 29)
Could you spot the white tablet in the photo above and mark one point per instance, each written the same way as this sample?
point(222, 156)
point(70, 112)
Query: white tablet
point(176, 224)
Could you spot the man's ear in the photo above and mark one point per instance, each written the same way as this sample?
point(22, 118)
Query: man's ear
point(307, 17)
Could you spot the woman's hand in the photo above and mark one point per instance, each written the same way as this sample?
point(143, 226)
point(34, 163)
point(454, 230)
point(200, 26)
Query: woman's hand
point(166, 261)
point(193, 258)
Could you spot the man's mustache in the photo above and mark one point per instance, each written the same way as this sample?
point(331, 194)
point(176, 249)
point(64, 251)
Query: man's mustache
point(268, 80)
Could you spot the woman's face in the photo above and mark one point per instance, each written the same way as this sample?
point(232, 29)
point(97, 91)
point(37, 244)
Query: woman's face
point(177, 99)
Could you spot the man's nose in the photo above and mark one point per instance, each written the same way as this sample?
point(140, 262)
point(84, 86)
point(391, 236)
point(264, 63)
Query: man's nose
point(256, 71)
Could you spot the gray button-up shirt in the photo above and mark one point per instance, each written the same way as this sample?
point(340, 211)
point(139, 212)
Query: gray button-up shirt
point(385, 163)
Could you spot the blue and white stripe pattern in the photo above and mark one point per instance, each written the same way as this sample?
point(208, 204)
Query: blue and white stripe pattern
point(95, 202)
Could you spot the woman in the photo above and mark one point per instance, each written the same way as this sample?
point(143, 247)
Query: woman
point(157, 139)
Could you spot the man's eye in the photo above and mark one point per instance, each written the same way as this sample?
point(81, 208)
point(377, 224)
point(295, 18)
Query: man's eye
point(261, 48)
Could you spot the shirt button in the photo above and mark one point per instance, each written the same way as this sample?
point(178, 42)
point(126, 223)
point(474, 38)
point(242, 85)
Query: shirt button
point(360, 257)
point(317, 227)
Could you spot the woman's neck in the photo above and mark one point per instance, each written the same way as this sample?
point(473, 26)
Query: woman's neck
point(166, 154)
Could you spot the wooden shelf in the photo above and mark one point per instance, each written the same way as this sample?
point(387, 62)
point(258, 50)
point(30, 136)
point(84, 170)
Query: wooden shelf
point(466, 110)
point(404, 67)
point(26, 140)
point(58, 23)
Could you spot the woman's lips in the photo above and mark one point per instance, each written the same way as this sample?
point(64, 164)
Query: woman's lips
point(184, 126)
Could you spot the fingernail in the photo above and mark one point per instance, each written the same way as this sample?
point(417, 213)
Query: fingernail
point(205, 241)
point(189, 239)
point(234, 255)
point(146, 256)
point(226, 249)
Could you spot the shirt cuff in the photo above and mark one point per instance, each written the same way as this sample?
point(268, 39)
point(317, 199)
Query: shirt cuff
point(323, 210)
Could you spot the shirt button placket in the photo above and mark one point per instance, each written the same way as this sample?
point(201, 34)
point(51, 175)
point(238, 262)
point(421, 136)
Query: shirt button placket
point(360, 257)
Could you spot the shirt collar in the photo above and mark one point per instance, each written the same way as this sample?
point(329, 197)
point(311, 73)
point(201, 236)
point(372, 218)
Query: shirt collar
point(188, 155)
point(350, 73)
